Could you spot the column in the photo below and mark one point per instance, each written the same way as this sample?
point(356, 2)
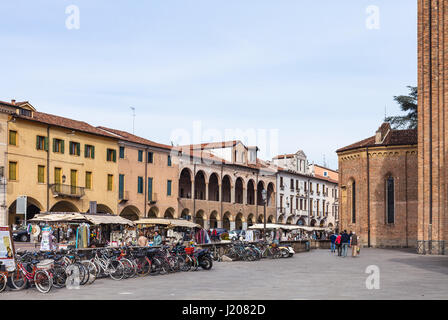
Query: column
point(206, 191)
point(244, 225)
point(192, 189)
point(232, 225)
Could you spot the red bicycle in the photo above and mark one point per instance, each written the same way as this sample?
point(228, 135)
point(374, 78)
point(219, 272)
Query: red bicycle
point(31, 271)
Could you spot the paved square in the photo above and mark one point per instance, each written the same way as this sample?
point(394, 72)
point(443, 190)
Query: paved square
point(312, 275)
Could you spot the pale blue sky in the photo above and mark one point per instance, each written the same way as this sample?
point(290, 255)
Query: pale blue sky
point(310, 69)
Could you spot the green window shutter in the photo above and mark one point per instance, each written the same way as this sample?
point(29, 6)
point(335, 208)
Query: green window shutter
point(149, 189)
point(93, 152)
point(62, 146)
point(54, 145)
point(78, 149)
point(70, 146)
point(121, 186)
point(169, 188)
point(46, 143)
point(121, 152)
point(85, 151)
point(140, 185)
point(37, 142)
point(114, 155)
point(169, 160)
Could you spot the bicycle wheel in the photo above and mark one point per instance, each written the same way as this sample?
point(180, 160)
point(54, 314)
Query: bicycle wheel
point(284, 252)
point(143, 266)
point(129, 270)
point(43, 281)
point(83, 273)
point(18, 280)
point(115, 269)
point(156, 266)
point(195, 263)
point(188, 262)
point(3, 281)
point(59, 276)
point(92, 269)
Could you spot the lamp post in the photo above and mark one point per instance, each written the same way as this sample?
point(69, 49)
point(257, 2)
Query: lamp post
point(264, 196)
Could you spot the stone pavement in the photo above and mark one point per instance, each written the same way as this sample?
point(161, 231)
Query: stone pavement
point(311, 275)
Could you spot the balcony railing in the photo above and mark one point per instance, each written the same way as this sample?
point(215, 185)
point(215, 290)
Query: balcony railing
point(65, 190)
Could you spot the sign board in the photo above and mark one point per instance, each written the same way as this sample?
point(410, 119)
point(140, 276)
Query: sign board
point(21, 205)
point(7, 248)
point(92, 207)
point(45, 241)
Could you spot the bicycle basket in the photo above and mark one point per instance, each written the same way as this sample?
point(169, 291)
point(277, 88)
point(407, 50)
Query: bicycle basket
point(46, 264)
point(189, 250)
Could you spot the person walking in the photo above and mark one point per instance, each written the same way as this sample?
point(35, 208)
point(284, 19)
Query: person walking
point(332, 242)
point(345, 239)
point(338, 243)
point(354, 242)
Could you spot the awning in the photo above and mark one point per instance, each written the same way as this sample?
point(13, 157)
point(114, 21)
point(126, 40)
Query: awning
point(108, 219)
point(81, 217)
point(168, 222)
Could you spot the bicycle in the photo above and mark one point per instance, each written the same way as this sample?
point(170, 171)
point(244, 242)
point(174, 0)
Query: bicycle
point(40, 274)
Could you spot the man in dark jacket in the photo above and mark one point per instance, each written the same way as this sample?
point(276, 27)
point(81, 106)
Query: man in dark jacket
point(332, 244)
point(345, 241)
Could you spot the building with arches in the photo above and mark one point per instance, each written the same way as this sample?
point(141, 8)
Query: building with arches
point(378, 188)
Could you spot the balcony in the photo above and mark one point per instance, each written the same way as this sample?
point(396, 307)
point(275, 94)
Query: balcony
point(65, 190)
point(153, 198)
point(124, 196)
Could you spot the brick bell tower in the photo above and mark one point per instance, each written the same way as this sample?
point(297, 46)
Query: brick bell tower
point(432, 126)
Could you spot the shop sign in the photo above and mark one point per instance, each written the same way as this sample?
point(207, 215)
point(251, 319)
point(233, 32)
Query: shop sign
point(7, 248)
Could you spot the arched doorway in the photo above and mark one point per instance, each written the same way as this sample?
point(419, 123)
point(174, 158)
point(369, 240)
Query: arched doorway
point(185, 184)
point(313, 223)
point(300, 222)
point(289, 220)
point(251, 192)
point(239, 221)
point(281, 218)
point(64, 206)
point(322, 223)
point(260, 188)
point(185, 214)
point(199, 218)
point(260, 218)
point(199, 185)
point(250, 220)
point(169, 213)
point(213, 219)
point(270, 194)
point(226, 221)
point(102, 208)
point(226, 187)
point(33, 207)
point(239, 190)
point(271, 219)
point(213, 188)
point(131, 213)
point(153, 212)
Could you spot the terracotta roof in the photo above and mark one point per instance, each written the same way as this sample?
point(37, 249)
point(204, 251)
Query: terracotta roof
point(212, 145)
point(325, 178)
point(393, 138)
point(65, 123)
point(133, 138)
point(282, 156)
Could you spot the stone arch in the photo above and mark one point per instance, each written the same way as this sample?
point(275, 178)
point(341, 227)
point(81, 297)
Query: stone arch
point(290, 220)
point(250, 220)
point(322, 223)
point(185, 183)
point(200, 217)
point(260, 218)
point(281, 218)
point(130, 212)
point(300, 222)
point(260, 188)
point(251, 192)
point(200, 185)
point(271, 219)
point(33, 207)
point(226, 220)
point(239, 190)
point(153, 212)
point(185, 214)
point(271, 194)
point(213, 187)
point(64, 206)
point(239, 219)
point(226, 187)
point(213, 219)
point(313, 223)
point(169, 213)
point(102, 208)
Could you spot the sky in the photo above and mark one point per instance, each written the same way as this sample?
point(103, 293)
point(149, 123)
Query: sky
point(284, 75)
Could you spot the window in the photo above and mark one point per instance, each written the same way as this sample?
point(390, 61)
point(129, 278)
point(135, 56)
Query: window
point(149, 189)
point(12, 170)
point(301, 204)
point(12, 137)
point(75, 148)
point(168, 191)
point(121, 186)
point(353, 202)
point(110, 182)
point(57, 175)
point(89, 151)
point(88, 180)
point(390, 200)
point(73, 180)
point(58, 145)
point(169, 161)
point(281, 182)
point(121, 152)
point(41, 143)
point(40, 174)
point(111, 155)
point(292, 184)
point(281, 202)
point(150, 157)
point(325, 173)
point(140, 184)
point(140, 156)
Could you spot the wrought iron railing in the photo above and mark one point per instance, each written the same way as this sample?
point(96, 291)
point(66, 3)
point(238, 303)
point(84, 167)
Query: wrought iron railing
point(65, 190)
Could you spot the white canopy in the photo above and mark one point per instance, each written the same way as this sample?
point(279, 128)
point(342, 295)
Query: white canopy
point(168, 222)
point(285, 227)
point(81, 217)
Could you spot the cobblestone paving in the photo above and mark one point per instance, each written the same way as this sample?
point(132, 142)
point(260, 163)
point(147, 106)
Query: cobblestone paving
point(313, 275)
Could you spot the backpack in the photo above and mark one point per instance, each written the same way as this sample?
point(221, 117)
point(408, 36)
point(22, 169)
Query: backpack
point(338, 240)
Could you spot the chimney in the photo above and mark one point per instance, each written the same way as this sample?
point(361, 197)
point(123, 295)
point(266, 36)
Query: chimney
point(13, 101)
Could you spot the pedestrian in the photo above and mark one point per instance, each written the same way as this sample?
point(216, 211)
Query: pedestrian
point(355, 247)
point(338, 243)
point(157, 239)
point(332, 242)
point(142, 240)
point(345, 239)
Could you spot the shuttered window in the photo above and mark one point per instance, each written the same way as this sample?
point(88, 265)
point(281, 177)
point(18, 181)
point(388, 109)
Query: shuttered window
point(41, 174)
point(150, 157)
point(110, 182)
point(121, 186)
point(168, 191)
point(12, 170)
point(88, 180)
point(169, 161)
point(112, 155)
point(140, 184)
point(140, 155)
point(41, 143)
point(149, 189)
point(121, 152)
point(89, 151)
point(58, 145)
point(12, 137)
point(75, 148)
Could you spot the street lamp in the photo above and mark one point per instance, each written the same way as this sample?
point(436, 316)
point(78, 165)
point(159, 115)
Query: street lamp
point(264, 196)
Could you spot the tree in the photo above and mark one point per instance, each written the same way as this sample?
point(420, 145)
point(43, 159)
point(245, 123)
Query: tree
point(407, 104)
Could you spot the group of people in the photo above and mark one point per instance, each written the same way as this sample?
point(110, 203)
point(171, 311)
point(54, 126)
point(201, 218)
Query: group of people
point(342, 241)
